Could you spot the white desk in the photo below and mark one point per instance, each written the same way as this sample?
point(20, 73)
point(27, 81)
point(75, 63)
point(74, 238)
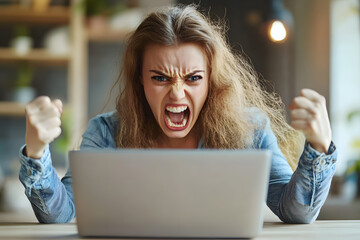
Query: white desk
point(336, 230)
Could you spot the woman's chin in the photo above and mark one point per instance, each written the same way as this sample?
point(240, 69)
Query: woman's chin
point(175, 134)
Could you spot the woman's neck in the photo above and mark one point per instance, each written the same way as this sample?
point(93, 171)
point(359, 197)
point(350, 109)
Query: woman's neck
point(179, 143)
point(191, 141)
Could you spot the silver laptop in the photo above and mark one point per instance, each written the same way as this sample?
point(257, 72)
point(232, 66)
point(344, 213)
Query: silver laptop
point(170, 193)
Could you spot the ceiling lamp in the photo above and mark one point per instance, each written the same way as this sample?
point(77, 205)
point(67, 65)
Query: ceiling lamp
point(280, 21)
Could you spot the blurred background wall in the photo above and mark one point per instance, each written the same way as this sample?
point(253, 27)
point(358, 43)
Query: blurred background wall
point(73, 51)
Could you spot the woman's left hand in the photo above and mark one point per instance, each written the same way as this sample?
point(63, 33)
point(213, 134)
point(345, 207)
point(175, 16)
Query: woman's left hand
point(308, 114)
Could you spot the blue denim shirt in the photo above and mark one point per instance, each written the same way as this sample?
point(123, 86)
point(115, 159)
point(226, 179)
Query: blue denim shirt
point(295, 197)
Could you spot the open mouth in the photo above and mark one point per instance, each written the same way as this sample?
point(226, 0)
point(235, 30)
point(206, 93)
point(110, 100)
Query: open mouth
point(177, 116)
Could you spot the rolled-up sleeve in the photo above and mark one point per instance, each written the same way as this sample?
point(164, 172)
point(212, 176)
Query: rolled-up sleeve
point(297, 197)
point(50, 198)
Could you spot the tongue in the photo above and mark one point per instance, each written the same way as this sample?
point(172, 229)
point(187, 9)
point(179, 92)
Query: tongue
point(176, 117)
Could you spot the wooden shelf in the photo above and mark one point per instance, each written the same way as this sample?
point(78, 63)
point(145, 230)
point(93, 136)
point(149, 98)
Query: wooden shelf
point(12, 109)
point(52, 15)
point(8, 108)
point(75, 62)
point(35, 55)
point(110, 36)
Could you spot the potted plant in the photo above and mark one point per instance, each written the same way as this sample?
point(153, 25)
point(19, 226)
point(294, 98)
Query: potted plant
point(98, 13)
point(22, 91)
point(22, 42)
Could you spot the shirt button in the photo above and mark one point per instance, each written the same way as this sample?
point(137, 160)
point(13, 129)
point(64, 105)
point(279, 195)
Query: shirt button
point(28, 172)
point(322, 162)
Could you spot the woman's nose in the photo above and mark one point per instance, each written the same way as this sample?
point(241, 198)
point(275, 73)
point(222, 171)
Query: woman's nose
point(177, 91)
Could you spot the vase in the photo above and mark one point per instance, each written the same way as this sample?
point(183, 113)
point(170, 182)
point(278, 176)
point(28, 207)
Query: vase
point(23, 95)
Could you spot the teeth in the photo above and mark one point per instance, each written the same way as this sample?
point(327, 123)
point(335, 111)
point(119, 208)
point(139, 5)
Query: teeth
point(171, 124)
point(178, 109)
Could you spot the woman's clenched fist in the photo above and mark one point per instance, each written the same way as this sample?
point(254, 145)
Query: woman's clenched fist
point(42, 124)
point(309, 114)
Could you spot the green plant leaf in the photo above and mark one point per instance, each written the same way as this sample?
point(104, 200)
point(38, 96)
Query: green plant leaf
point(353, 114)
point(101, 7)
point(24, 76)
point(356, 144)
point(21, 30)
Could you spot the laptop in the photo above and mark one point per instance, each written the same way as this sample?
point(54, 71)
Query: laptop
point(170, 193)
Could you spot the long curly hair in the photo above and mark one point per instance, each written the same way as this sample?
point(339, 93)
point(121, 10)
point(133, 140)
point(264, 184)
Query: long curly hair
point(233, 87)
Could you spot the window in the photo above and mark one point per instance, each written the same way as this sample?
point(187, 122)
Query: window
point(344, 77)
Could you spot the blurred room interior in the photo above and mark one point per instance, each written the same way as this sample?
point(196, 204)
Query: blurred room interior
point(71, 49)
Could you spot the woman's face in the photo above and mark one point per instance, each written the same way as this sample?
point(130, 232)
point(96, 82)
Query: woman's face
point(175, 80)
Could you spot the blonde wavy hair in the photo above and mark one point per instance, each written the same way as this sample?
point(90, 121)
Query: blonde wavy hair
point(233, 87)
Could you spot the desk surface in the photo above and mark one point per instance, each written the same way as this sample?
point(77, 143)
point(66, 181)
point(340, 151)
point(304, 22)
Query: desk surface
point(328, 230)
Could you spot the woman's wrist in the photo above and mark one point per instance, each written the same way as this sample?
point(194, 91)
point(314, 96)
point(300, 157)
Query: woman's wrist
point(321, 147)
point(34, 154)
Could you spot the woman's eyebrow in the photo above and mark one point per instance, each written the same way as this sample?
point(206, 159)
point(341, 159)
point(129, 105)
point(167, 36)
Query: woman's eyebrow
point(167, 76)
point(193, 73)
point(160, 73)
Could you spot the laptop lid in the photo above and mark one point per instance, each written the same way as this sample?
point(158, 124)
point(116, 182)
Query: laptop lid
point(170, 193)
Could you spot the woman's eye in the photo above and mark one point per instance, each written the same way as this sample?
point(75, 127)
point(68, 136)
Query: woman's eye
point(159, 78)
point(194, 78)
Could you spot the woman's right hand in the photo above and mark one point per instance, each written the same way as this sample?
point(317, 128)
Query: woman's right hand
point(42, 125)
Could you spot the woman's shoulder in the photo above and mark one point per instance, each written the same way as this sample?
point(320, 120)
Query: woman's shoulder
point(109, 120)
point(101, 130)
point(257, 117)
point(263, 134)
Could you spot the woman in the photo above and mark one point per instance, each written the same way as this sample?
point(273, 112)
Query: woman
point(183, 88)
